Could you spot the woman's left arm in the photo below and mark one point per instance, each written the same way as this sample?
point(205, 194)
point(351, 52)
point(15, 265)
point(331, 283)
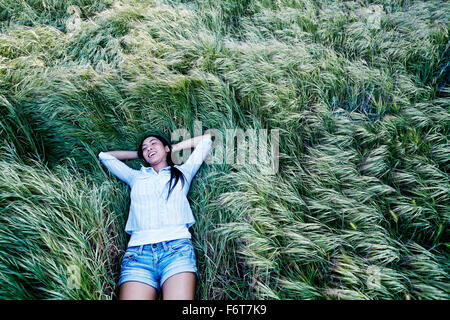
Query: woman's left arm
point(202, 145)
point(189, 143)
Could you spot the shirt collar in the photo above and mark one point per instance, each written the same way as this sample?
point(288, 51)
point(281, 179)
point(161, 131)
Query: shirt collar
point(150, 169)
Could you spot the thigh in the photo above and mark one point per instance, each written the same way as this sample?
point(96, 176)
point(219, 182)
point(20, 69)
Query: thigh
point(133, 290)
point(180, 286)
point(138, 279)
point(178, 270)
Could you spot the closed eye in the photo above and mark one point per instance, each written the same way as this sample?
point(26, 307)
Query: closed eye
point(153, 142)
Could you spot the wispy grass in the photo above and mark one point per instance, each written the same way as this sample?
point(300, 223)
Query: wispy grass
point(358, 91)
point(51, 12)
point(59, 232)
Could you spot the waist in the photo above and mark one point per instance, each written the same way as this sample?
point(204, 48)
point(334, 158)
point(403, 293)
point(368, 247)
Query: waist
point(149, 236)
point(163, 245)
point(143, 218)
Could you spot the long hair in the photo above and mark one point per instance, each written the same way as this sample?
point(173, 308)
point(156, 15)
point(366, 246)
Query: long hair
point(175, 173)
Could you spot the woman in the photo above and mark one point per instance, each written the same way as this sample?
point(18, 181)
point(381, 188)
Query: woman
point(160, 254)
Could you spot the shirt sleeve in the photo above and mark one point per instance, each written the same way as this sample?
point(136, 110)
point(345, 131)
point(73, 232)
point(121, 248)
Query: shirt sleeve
point(195, 160)
point(118, 168)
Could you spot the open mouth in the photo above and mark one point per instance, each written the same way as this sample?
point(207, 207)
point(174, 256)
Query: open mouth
point(152, 154)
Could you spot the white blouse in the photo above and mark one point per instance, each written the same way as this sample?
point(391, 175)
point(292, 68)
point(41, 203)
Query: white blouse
point(151, 219)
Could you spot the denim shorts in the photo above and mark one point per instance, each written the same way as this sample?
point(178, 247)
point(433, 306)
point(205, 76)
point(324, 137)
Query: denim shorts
point(154, 263)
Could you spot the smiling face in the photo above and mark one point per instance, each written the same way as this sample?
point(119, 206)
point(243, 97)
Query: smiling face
point(154, 151)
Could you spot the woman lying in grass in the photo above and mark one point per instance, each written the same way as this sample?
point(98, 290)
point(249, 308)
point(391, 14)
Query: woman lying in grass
point(160, 254)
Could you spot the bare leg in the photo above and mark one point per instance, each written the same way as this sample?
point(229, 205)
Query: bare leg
point(180, 286)
point(133, 290)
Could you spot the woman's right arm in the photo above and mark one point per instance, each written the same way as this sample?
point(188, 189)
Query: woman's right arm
point(117, 167)
point(124, 155)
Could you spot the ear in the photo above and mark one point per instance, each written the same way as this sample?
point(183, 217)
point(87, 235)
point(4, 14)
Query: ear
point(167, 148)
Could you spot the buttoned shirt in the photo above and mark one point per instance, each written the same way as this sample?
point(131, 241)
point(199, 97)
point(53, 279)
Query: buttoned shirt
point(151, 218)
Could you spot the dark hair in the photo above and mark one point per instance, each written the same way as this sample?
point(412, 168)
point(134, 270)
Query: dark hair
point(174, 172)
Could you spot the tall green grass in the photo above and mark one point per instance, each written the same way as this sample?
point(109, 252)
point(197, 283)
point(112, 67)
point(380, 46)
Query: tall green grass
point(359, 207)
point(60, 233)
point(51, 12)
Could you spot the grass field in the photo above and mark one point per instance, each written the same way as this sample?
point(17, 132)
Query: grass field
point(359, 91)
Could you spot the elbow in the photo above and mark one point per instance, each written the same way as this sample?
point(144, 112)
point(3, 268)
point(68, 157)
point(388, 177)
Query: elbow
point(101, 155)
